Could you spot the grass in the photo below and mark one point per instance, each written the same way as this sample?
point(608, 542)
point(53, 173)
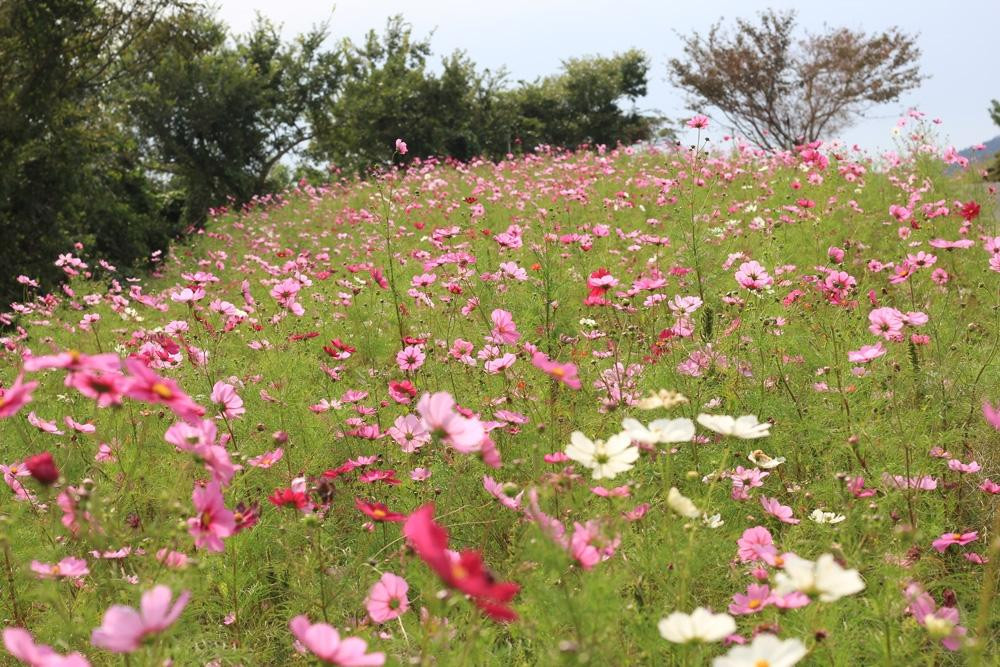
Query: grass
point(785, 363)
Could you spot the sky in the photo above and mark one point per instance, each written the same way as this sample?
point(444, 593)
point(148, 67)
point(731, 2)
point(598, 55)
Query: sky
point(532, 37)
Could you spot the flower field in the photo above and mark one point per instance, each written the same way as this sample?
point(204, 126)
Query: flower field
point(633, 406)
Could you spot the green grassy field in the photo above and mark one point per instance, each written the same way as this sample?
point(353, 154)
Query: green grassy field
point(525, 237)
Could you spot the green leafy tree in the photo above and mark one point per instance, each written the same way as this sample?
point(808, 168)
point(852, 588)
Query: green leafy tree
point(68, 172)
point(218, 115)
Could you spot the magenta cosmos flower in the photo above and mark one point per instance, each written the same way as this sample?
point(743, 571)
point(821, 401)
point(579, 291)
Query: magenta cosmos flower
point(565, 373)
point(387, 598)
point(144, 384)
point(699, 122)
point(214, 521)
point(948, 539)
point(752, 276)
point(123, 628)
point(16, 396)
point(22, 646)
point(324, 642)
point(410, 358)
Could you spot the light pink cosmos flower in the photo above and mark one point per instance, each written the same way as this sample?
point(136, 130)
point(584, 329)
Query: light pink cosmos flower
point(387, 598)
point(67, 568)
point(943, 620)
point(224, 394)
point(589, 546)
point(992, 415)
point(494, 366)
point(504, 330)
point(948, 539)
point(782, 513)
point(409, 433)
point(20, 644)
point(16, 396)
point(213, 522)
point(887, 323)
point(401, 147)
point(267, 459)
point(752, 276)
point(958, 466)
point(866, 353)
point(325, 643)
point(755, 599)
point(499, 491)
point(123, 628)
point(442, 420)
point(410, 358)
point(756, 544)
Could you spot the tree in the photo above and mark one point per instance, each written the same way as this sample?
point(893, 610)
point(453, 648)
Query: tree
point(994, 171)
point(218, 115)
point(68, 173)
point(779, 90)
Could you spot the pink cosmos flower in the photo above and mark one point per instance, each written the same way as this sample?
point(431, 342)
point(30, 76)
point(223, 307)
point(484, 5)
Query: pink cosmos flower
point(752, 276)
point(990, 486)
point(409, 433)
point(16, 396)
point(224, 394)
point(145, 385)
point(21, 645)
point(401, 147)
point(494, 366)
point(992, 415)
point(499, 491)
point(123, 628)
point(698, 122)
point(958, 466)
point(267, 459)
point(410, 358)
point(105, 388)
point(589, 546)
point(756, 544)
point(866, 353)
point(886, 322)
point(856, 485)
point(755, 599)
point(387, 598)
point(67, 568)
point(565, 373)
point(325, 643)
point(923, 609)
point(214, 522)
point(948, 539)
point(782, 513)
point(504, 330)
point(442, 420)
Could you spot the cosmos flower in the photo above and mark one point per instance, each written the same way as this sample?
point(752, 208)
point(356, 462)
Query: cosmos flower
point(605, 459)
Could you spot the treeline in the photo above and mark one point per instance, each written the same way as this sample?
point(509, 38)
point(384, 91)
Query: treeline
point(122, 122)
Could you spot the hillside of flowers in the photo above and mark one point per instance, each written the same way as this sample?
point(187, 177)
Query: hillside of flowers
point(654, 405)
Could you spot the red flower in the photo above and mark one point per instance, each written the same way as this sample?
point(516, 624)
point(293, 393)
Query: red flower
point(377, 511)
point(338, 349)
point(303, 336)
point(282, 497)
point(969, 211)
point(463, 572)
point(334, 473)
point(411, 340)
point(42, 468)
point(402, 392)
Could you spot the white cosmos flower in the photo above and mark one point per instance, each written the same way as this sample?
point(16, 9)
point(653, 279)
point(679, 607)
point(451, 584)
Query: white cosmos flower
point(824, 578)
point(606, 459)
point(746, 427)
point(659, 430)
point(819, 516)
point(766, 650)
point(762, 460)
point(701, 625)
point(713, 521)
point(682, 504)
point(663, 398)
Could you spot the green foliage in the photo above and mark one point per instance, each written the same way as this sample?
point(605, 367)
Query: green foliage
point(219, 115)
point(461, 112)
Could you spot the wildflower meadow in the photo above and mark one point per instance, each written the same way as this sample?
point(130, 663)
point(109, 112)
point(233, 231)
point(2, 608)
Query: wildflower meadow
point(652, 405)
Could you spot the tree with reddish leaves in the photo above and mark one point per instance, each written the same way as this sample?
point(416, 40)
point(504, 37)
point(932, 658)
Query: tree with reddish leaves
point(780, 90)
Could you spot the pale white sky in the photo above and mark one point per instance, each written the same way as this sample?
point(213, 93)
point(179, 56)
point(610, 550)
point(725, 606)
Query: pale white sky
point(531, 37)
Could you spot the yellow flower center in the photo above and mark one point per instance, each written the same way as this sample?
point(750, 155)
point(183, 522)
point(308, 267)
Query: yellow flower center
point(162, 390)
point(753, 604)
point(459, 572)
point(762, 663)
point(956, 536)
point(558, 372)
point(378, 514)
